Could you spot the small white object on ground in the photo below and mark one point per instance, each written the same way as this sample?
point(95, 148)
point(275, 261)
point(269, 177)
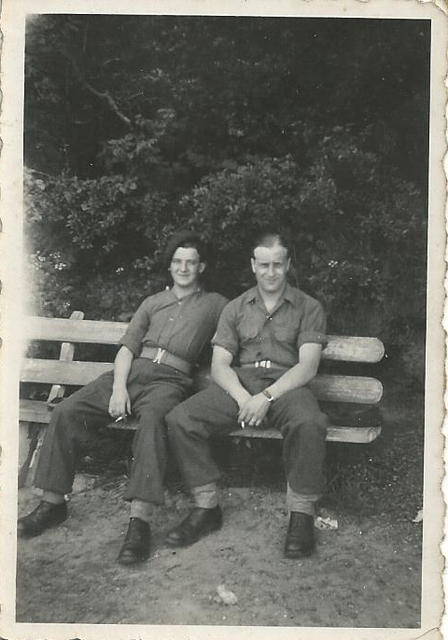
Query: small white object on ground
point(225, 595)
point(325, 523)
point(84, 482)
point(419, 516)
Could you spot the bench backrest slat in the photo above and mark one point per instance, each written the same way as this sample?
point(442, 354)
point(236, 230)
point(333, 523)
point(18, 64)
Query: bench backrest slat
point(71, 373)
point(66, 330)
point(331, 388)
point(344, 348)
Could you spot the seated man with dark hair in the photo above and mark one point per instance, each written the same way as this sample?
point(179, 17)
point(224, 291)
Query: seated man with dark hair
point(276, 333)
point(152, 373)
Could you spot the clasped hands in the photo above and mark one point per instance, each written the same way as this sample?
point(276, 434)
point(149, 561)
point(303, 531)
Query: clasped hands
point(253, 410)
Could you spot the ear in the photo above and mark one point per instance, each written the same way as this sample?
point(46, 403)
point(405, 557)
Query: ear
point(202, 266)
point(252, 263)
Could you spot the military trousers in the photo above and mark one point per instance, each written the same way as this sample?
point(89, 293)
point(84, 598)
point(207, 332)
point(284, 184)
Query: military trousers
point(154, 389)
point(214, 412)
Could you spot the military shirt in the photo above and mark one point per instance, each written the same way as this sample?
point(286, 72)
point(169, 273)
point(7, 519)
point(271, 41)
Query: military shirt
point(182, 326)
point(249, 332)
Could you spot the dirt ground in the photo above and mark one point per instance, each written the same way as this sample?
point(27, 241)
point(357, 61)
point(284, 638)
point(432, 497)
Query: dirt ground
point(364, 574)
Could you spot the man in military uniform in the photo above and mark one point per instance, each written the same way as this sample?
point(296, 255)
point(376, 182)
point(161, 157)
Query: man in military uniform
point(151, 374)
point(275, 333)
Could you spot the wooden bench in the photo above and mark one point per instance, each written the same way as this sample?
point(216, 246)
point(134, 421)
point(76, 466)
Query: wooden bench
point(343, 397)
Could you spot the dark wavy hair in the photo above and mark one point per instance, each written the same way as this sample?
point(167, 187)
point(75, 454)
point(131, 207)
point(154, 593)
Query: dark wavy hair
point(186, 239)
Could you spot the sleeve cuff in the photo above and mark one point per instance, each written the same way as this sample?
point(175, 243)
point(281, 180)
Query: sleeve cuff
point(131, 345)
point(312, 336)
point(230, 348)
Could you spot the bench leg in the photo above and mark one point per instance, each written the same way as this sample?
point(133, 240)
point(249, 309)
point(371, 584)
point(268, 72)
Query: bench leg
point(25, 451)
point(31, 436)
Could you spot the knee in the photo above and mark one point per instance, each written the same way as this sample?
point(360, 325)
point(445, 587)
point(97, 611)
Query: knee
point(181, 425)
point(313, 425)
point(62, 412)
point(150, 418)
point(316, 426)
point(65, 423)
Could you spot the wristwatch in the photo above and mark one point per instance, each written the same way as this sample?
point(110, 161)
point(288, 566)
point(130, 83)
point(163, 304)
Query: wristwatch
point(267, 395)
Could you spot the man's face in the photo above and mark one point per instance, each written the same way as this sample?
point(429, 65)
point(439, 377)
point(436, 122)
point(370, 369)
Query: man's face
point(270, 266)
point(186, 266)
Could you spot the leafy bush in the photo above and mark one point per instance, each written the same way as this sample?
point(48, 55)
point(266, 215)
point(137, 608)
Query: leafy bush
point(135, 126)
point(358, 231)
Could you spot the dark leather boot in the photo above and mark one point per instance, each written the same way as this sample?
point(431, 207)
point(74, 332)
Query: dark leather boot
point(45, 515)
point(300, 540)
point(196, 525)
point(136, 545)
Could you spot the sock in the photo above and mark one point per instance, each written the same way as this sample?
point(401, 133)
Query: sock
point(141, 510)
point(300, 502)
point(53, 498)
point(205, 496)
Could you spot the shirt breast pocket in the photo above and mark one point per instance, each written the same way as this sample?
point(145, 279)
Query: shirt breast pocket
point(285, 333)
point(247, 330)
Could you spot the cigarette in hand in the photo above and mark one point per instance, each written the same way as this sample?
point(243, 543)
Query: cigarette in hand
point(242, 424)
point(119, 419)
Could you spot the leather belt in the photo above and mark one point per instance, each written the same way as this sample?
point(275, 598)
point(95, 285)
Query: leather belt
point(162, 356)
point(264, 364)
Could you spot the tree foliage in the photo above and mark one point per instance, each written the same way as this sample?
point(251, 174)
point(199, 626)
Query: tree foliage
point(135, 126)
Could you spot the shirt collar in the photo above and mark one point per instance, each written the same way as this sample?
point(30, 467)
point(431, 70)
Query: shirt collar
point(173, 296)
point(288, 294)
point(253, 295)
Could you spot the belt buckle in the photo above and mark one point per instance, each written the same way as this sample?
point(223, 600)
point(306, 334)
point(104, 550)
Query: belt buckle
point(159, 355)
point(264, 364)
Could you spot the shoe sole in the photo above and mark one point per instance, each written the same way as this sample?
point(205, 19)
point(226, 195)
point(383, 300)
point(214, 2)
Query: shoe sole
point(296, 555)
point(207, 532)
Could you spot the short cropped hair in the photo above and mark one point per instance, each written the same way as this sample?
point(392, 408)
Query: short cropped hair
point(186, 239)
point(269, 238)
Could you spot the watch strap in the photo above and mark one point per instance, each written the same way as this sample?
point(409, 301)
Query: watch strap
point(267, 395)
